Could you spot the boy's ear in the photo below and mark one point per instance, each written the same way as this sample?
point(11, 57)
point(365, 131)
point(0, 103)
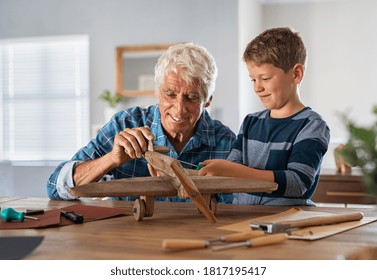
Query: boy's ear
point(298, 73)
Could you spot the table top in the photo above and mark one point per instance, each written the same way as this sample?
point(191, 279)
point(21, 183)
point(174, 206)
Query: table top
point(123, 238)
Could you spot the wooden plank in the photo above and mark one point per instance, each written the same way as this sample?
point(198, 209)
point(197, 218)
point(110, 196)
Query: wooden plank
point(161, 186)
point(138, 186)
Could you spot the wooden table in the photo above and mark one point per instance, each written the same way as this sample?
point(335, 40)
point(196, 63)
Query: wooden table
point(124, 238)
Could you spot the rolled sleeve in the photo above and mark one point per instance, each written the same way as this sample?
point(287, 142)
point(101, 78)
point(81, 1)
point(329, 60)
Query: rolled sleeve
point(65, 182)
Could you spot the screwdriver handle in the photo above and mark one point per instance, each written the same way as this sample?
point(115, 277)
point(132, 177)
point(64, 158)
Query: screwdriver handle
point(9, 214)
point(241, 236)
point(184, 244)
point(268, 239)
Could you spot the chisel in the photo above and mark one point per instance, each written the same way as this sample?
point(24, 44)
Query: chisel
point(199, 244)
point(255, 242)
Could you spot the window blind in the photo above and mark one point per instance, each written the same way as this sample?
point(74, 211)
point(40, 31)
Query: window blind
point(44, 98)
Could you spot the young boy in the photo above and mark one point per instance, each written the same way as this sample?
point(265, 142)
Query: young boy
point(284, 143)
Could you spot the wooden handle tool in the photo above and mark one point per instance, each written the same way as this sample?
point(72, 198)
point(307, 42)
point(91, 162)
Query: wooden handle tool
point(326, 220)
point(315, 221)
point(239, 236)
point(255, 242)
point(182, 244)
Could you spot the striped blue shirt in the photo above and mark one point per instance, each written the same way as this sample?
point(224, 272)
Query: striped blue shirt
point(211, 140)
point(293, 148)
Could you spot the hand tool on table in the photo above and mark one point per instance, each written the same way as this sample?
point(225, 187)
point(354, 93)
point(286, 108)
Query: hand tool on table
point(35, 211)
point(9, 214)
point(72, 216)
point(255, 242)
point(288, 226)
point(180, 244)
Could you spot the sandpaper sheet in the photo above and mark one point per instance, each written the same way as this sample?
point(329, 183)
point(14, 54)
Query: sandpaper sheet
point(308, 233)
point(53, 217)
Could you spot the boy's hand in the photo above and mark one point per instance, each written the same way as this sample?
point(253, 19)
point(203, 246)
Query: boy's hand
point(225, 168)
point(218, 167)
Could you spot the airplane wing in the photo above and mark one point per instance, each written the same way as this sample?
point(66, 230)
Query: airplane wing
point(162, 186)
point(217, 184)
point(137, 186)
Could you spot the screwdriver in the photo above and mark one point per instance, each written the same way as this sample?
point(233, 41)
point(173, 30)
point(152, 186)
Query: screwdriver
point(9, 214)
point(199, 244)
point(197, 167)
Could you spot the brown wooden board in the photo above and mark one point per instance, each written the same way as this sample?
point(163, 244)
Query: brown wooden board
point(161, 187)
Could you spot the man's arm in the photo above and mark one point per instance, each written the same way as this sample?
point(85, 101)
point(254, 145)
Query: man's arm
point(128, 144)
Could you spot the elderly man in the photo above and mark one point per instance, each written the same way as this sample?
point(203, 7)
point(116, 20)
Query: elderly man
point(185, 78)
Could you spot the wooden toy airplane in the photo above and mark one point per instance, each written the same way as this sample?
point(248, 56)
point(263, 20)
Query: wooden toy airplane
point(174, 180)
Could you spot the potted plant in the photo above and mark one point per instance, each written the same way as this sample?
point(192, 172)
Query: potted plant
point(113, 102)
point(361, 151)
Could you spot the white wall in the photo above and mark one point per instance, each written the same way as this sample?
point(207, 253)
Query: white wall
point(249, 26)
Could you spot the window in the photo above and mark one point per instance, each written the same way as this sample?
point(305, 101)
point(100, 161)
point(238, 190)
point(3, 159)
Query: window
point(44, 98)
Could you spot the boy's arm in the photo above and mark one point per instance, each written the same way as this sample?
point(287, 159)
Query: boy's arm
point(222, 167)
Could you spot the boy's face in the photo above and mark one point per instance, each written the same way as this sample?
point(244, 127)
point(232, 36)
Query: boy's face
point(277, 90)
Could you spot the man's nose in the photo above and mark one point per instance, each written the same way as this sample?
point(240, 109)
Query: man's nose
point(180, 104)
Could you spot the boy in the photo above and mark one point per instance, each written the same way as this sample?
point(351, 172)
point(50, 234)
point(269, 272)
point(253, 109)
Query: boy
point(286, 142)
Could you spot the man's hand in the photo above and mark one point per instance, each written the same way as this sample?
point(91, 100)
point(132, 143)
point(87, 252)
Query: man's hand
point(130, 144)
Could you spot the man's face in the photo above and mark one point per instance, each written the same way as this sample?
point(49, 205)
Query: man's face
point(181, 106)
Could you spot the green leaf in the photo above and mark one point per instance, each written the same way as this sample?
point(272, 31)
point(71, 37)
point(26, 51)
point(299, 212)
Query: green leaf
point(112, 100)
point(361, 151)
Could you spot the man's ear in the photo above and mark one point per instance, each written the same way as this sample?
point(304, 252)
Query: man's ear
point(298, 73)
point(208, 102)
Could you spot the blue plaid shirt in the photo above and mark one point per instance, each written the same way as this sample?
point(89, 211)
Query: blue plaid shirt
point(212, 140)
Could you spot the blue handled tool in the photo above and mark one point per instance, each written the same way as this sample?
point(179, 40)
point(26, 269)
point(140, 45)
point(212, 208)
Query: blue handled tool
point(199, 166)
point(9, 214)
